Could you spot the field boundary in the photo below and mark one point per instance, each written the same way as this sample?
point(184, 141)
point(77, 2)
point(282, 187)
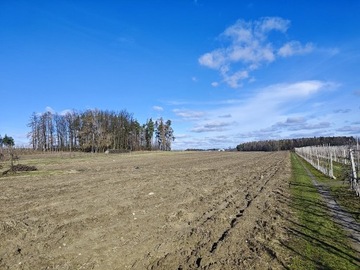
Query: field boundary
point(318, 242)
point(338, 214)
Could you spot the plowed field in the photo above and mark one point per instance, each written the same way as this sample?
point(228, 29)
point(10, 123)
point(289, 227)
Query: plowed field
point(173, 210)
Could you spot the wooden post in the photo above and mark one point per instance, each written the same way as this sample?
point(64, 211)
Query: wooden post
point(357, 153)
point(354, 184)
point(318, 162)
point(331, 167)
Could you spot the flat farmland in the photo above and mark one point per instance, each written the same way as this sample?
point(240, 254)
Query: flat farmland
point(152, 210)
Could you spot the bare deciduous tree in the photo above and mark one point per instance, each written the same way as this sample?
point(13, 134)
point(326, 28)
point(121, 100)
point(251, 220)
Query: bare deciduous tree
point(96, 131)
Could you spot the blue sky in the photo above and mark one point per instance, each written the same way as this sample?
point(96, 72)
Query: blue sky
point(224, 72)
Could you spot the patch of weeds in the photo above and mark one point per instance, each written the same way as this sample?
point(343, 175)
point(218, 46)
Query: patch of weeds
point(20, 168)
point(313, 241)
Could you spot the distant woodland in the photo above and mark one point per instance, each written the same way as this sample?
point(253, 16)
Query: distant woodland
point(98, 131)
point(290, 144)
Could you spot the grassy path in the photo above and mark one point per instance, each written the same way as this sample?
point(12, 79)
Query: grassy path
point(340, 216)
point(320, 242)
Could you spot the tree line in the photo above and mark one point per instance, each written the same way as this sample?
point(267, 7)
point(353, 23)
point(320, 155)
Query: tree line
point(290, 144)
point(97, 131)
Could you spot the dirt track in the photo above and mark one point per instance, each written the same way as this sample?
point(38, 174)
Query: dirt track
point(213, 210)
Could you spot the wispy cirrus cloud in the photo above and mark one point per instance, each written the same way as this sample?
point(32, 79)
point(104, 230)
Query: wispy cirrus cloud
point(300, 125)
point(268, 113)
point(213, 126)
point(269, 104)
point(291, 124)
point(250, 47)
point(349, 129)
point(189, 114)
point(158, 108)
point(225, 116)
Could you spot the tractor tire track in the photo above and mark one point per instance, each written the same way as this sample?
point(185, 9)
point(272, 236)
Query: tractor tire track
point(203, 247)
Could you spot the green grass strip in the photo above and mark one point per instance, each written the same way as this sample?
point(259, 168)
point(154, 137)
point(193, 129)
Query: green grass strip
point(340, 190)
point(318, 242)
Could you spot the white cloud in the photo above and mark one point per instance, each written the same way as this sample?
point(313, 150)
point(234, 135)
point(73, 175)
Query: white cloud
point(287, 91)
point(295, 120)
point(350, 129)
point(320, 125)
point(214, 84)
point(225, 116)
point(189, 114)
point(277, 111)
point(49, 109)
point(212, 126)
point(250, 47)
point(295, 48)
point(311, 134)
point(233, 80)
point(273, 23)
point(253, 54)
point(267, 113)
point(278, 130)
point(66, 111)
point(296, 123)
point(158, 108)
point(301, 124)
point(213, 60)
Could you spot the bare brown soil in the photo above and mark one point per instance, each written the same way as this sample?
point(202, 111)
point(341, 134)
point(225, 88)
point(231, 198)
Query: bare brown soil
point(185, 210)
